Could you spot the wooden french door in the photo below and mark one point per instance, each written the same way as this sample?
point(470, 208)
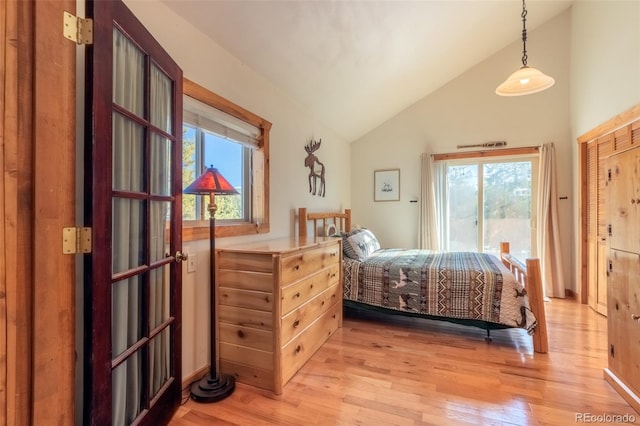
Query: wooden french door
point(133, 176)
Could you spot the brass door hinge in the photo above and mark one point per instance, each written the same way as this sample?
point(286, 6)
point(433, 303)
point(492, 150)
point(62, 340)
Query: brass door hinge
point(76, 240)
point(77, 29)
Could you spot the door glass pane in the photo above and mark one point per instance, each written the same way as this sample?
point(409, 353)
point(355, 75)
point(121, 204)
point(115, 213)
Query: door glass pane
point(126, 391)
point(507, 207)
point(128, 74)
point(160, 165)
point(159, 354)
point(128, 154)
point(159, 296)
point(463, 207)
point(127, 234)
point(126, 324)
point(161, 99)
point(159, 232)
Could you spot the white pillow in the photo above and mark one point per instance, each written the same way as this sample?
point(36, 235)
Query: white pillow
point(360, 245)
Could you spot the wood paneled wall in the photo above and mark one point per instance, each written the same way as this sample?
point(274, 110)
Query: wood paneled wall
point(37, 141)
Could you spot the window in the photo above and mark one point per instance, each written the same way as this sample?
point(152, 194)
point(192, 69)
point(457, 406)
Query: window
point(489, 201)
point(220, 134)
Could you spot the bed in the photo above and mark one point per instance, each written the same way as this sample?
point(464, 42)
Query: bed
point(475, 289)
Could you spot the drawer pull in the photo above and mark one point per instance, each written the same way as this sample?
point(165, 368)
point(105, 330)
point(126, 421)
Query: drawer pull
point(298, 348)
point(333, 275)
point(297, 294)
point(240, 334)
point(633, 201)
point(296, 268)
point(296, 323)
point(334, 254)
point(635, 317)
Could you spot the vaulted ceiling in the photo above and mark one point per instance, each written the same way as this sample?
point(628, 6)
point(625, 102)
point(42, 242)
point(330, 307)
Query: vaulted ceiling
point(355, 64)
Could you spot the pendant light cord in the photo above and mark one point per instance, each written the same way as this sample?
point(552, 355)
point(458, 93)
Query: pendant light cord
point(524, 34)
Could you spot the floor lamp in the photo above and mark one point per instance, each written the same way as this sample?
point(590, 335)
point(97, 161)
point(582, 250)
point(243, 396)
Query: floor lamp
point(214, 386)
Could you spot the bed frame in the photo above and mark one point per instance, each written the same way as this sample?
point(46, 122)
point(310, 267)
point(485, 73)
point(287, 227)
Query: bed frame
point(527, 273)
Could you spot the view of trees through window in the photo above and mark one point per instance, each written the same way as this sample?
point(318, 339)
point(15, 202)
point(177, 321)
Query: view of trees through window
point(490, 202)
point(202, 149)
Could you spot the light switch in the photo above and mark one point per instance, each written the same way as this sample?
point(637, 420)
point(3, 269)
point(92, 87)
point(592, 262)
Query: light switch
point(191, 263)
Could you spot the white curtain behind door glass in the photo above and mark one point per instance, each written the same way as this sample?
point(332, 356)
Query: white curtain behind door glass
point(161, 90)
point(548, 235)
point(128, 79)
point(441, 195)
point(427, 226)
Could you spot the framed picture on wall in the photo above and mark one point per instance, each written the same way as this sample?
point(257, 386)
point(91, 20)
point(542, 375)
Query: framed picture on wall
point(386, 185)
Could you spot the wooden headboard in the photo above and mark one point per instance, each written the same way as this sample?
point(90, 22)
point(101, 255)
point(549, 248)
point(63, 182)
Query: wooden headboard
point(342, 221)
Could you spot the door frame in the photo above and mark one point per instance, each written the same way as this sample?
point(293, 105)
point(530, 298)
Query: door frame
point(38, 192)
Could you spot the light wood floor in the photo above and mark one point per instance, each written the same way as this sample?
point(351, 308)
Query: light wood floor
point(406, 371)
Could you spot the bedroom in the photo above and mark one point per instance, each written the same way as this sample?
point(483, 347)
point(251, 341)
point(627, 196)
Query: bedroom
point(576, 50)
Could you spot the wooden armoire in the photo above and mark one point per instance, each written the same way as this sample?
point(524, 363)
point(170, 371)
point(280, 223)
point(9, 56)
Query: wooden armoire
point(623, 193)
point(610, 249)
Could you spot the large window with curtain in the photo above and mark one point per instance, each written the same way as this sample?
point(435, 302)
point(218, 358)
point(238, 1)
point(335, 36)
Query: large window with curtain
point(219, 133)
point(214, 138)
point(486, 201)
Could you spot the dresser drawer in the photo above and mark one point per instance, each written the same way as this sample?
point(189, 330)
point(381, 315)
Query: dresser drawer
point(254, 376)
point(245, 280)
point(298, 265)
point(301, 318)
point(300, 349)
point(245, 299)
point(245, 261)
point(247, 356)
point(299, 292)
point(245, 317)
point(246, 336)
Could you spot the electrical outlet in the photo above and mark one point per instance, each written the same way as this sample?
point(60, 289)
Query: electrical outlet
point(191, 263)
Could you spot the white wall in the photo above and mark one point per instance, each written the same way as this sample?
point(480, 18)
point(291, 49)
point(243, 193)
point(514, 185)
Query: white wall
point(605, 61)
point(206, 63)
point(605, 69)
point(467, 111)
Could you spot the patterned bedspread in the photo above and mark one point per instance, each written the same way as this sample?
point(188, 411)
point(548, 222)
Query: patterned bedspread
point(462, 285)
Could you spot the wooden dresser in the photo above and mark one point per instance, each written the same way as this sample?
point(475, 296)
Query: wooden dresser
point(278, 302)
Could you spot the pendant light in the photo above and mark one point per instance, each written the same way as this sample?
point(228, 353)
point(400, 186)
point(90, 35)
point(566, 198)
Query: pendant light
point(526, 80)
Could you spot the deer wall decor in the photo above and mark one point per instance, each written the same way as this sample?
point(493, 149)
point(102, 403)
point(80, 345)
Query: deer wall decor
point(316, 168)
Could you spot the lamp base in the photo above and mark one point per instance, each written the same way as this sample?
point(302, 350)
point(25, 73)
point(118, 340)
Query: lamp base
point(212, 390)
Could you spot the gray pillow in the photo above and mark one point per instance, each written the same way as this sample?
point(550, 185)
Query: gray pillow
point(360, 244)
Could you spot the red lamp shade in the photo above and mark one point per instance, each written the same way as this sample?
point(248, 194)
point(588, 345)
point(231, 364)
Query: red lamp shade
point(210, 182)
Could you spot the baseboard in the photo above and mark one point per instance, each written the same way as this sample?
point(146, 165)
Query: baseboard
point(193, 377)
point(624, 391)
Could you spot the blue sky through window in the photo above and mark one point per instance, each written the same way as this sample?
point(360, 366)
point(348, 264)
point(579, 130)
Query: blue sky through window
point(224, 155)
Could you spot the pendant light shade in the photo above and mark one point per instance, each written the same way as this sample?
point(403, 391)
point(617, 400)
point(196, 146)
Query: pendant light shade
point(526, 80)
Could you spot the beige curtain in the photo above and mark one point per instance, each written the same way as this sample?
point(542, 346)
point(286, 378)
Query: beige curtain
point(548, 234)
point(127, 226)
point(427, 226)
point(128, 232)
point(160, 165)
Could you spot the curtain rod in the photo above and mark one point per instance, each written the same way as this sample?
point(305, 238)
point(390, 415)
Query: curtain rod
point(482, 154)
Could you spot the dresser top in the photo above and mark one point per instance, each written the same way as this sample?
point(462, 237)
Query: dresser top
point(281, 245)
